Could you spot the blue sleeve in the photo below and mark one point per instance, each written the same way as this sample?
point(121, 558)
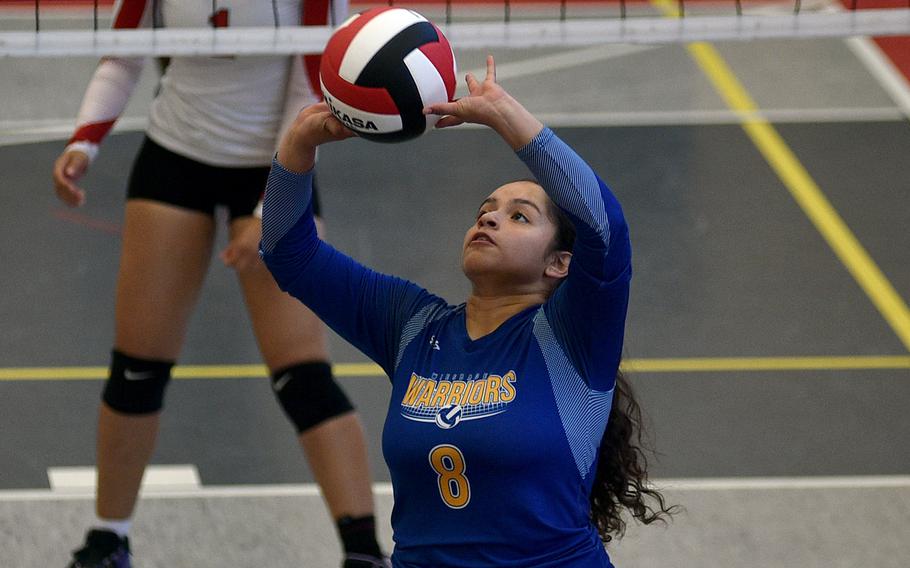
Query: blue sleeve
point(366, 308)
point(588, 311)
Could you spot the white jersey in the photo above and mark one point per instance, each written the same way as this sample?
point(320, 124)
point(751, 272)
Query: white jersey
point(222, 111)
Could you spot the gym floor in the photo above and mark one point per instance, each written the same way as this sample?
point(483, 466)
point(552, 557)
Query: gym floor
point(768, 331)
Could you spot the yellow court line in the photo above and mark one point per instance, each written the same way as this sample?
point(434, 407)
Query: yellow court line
point(730, 364)
point(801, 185)
point(795, 178)
point(254, 371)
point(659, 365)
point(180, 372)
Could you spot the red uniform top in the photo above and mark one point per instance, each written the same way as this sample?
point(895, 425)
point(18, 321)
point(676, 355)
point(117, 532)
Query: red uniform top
point(222, 111)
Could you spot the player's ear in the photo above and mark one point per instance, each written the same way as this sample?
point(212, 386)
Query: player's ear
point(558, 264)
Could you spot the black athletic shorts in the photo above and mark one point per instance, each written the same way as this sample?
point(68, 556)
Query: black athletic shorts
point(167, 177)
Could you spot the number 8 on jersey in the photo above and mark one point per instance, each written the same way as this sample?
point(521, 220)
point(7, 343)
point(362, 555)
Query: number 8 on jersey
point(448, 463)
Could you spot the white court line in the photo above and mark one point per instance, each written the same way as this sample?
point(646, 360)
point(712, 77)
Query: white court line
point(214, 491)
point(385, 489)
point(558, 62)
point(13, 132)
point(156, 478)
point(775, 483)
point(715, 117)
point(24, 132)
point(711, 117)
point(883, 69)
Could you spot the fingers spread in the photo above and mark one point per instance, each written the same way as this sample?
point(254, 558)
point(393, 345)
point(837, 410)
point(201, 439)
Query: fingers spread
point(471, 81)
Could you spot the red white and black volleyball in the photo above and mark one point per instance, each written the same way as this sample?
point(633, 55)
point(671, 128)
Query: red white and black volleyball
point(380, 69)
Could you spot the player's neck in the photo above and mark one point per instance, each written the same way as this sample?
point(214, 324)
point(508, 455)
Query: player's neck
point(485, 313)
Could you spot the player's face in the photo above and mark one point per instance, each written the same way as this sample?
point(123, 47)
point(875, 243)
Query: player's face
point(512, 237)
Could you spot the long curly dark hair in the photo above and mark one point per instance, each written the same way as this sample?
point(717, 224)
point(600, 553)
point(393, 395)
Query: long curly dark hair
point(621, 481)
point(622, 472)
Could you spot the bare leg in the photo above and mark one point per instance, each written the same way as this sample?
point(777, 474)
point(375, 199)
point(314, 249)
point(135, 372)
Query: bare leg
point(125, 446)
point(288, 334)
point(166, 251)
point(337, 453)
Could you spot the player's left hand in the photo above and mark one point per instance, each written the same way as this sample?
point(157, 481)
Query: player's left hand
point(242, 252)
point(481, 104)
point(489, 104)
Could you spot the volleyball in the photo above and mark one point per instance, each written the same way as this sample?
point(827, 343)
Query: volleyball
point(380, 69)
point(449, 416)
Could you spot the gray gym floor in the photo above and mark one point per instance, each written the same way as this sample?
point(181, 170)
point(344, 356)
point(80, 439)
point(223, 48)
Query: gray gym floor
point(775, 389)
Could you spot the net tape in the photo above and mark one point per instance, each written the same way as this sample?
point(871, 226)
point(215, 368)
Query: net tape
point(513, 34)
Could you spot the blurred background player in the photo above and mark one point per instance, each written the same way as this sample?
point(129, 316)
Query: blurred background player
point(213, 128)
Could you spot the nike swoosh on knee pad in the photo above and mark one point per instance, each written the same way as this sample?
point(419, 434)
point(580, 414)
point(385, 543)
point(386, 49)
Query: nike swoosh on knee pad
point(138, 375)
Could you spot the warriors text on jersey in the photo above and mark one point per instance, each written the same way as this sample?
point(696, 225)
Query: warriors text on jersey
point(492, 443)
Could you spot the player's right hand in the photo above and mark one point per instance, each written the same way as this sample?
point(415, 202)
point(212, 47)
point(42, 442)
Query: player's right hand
point(68, 168)
point(314, 125)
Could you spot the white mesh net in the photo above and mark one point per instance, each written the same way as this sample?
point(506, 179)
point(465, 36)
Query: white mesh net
point(48, 54)
point(36, 29)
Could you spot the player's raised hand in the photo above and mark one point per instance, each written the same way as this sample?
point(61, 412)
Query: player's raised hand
point(489, 104)
point(314, 125)
point(478, 107)
point(68, 168)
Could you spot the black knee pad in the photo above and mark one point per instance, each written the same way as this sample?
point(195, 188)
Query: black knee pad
point(136, 386)
point(309, 394)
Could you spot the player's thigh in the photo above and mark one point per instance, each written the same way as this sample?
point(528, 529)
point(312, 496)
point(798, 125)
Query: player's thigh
point(287, 331)
point(166, 253)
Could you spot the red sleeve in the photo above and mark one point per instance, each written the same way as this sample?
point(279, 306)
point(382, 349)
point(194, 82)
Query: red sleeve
point(129, 14)
point(112, 84)
point(314, 13)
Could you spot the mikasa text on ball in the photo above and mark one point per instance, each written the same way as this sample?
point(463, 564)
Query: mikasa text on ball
point(380, 69)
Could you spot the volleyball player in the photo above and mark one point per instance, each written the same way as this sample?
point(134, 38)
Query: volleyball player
point(510, 435)
point(213, 129)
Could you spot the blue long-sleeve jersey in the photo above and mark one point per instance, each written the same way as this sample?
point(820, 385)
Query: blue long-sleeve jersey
point(492, 444)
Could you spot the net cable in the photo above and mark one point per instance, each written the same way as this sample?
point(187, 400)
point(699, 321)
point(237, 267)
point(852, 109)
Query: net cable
point(508, 33)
